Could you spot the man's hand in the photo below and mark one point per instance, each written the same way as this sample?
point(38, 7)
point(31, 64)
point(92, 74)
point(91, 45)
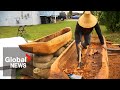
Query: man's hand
point(103, 46)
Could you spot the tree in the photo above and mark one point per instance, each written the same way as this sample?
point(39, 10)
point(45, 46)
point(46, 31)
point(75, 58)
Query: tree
point(111, 19)
point(69, 14)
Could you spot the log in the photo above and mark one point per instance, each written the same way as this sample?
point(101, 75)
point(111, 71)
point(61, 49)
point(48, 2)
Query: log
point(42, 59)
point(116, 44)
point(109, 42)
point(113, 50)
point(48, 44)
point(59, 51)
point(112, 54)
point(41, 73)
point(44, 65)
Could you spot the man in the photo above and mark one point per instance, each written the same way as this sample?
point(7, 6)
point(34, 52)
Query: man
point(85, 25)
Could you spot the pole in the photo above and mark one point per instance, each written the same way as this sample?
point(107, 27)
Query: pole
point(55, 17)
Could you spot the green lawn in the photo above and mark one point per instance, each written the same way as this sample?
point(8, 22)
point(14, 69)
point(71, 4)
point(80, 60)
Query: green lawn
point(38, 31)
point(114, 37)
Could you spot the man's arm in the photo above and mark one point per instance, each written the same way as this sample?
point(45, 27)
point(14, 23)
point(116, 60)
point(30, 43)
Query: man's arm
point(98, 31)
point(77, 34)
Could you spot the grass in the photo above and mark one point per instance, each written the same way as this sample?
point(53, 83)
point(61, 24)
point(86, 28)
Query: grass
point(114, 37)
point(38, 31)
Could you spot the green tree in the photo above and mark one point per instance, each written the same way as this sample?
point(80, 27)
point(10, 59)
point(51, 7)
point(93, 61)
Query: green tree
point(111, 19)
point(69, 14)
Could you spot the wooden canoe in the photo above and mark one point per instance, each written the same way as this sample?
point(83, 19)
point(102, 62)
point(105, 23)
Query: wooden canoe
point(68, 59)
point(48, 44)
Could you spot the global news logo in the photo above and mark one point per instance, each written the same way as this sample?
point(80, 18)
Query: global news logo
point(17, 62)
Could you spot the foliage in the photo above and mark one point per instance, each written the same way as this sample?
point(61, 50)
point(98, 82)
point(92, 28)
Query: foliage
point(111, 19)
point(69, 14)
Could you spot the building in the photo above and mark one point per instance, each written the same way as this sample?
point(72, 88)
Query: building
point(48, 16)
point(18, 18)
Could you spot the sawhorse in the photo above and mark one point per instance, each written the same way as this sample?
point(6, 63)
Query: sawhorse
point(21, 30)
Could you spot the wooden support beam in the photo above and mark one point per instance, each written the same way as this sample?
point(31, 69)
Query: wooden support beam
point(113, 50)
point(109, 42)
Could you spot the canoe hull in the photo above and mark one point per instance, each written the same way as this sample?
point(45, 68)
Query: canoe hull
point(46, 46)
point(68, 59)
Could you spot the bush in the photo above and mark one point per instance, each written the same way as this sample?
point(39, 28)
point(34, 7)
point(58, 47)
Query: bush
point(111, 19)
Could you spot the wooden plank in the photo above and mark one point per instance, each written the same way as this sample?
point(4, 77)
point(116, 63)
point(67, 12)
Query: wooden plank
point(109, 42)
point(112, 54)
point(116, 44)
point(113, 50)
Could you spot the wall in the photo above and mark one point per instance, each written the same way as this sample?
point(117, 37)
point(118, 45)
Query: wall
point(17, 18)
point(36, 18)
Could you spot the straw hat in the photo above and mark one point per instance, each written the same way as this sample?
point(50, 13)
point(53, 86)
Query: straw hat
point(87, 20)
